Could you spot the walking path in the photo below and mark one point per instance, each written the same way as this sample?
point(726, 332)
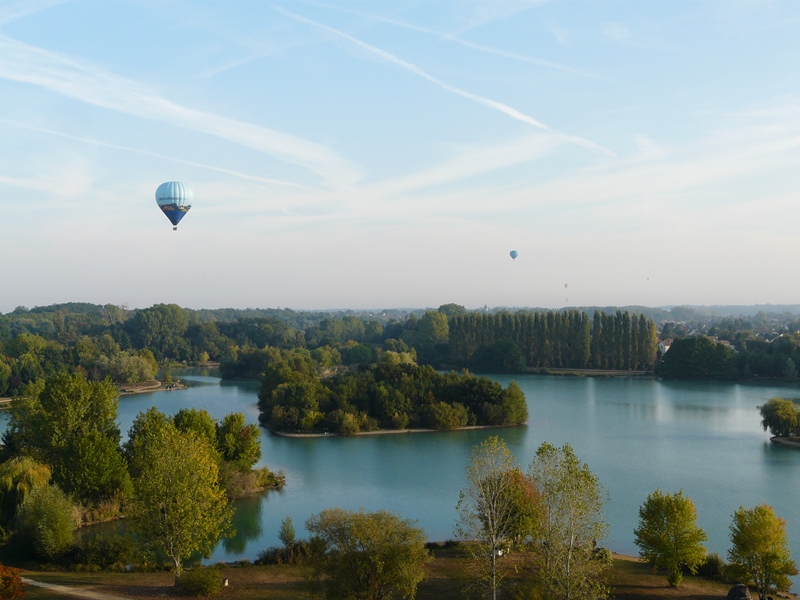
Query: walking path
point(72, 591)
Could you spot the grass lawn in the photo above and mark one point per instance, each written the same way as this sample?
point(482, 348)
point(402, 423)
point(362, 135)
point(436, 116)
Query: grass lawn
point(629, 578)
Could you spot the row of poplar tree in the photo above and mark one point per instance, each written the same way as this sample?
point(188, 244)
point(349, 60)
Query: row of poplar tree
point(560, 339)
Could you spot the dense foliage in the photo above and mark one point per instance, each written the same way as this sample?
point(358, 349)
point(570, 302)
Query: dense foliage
point(668, 536)
point(372, 556)
point(389, 394)
point(781, 417)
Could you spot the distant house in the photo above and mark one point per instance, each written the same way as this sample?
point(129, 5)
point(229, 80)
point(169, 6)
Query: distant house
point(663, 346)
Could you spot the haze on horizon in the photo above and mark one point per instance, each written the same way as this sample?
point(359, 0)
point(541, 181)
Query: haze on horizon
point(358, 154)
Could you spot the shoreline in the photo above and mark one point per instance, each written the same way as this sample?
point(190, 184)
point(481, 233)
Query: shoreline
point(792, 441)
point(386, 431)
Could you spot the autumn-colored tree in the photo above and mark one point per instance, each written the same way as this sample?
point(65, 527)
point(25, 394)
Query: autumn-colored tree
point(497, 511)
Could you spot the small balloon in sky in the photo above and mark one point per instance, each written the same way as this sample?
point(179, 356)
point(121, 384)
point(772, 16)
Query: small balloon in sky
point(513, 254)
point(566, 285)
point(174, 199)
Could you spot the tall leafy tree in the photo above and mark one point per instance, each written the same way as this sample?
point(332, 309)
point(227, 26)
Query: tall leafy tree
point(369, 556)
point(571, 526)
point(69, 423)
point(496, 512)
point(179, 507)
point(668, 536)
point(760, 550)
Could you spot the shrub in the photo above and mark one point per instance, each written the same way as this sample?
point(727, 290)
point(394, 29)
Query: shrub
point(11, 585)
point(46, 521)
point(714, 568)
point(201, 581)
point(296, 554)
point(106, 550)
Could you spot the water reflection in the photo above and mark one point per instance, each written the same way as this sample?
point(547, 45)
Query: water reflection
point(246, 523)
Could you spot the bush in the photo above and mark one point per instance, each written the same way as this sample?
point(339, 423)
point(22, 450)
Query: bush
point(201, 581)
point(714, 568)
point(295, 554)
point(106, 551)
point(11, 585)
point(47, 521)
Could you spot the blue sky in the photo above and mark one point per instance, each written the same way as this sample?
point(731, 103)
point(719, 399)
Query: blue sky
point(366, 154)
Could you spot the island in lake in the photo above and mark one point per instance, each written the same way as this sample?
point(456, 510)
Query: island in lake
point(394, 394)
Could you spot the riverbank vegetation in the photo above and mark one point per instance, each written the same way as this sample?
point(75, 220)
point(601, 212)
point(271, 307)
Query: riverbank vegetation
point(63, 466)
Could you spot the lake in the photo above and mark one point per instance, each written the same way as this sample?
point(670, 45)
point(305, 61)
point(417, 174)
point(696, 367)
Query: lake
point(636, 435)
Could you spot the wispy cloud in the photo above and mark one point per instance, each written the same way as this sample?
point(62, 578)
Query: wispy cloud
point(11, 11)
point(94, 142)
point(509, 111)
point(94, 85)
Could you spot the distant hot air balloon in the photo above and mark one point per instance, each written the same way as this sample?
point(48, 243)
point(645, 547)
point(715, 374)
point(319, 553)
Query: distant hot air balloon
point(174, 199)
point(514, 254)
point(566, 285)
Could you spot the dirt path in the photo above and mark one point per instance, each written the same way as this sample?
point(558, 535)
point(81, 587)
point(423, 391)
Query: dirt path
point(72, 591)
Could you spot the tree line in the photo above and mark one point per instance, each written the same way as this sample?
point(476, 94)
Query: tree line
point(700, 357)
point(554, 339)
point(130, 345)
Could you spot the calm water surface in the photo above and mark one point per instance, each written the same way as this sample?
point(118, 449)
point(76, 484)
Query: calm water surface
point(636, 435)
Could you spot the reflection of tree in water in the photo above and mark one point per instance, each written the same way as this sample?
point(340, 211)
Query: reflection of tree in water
point(246, 522)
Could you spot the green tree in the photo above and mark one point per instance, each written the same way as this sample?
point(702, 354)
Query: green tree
point(147, 428)
point(571, 525)
point(239, 442)
point(780, 416)
point(199, 421)
point(760, 550)
point(69, 423)
point(47, 521)
point(160, 328)
point(496, 512)
point(369, 556)
point(178, 506)
point(19, 476)
point(286, 535)
point(668, 536)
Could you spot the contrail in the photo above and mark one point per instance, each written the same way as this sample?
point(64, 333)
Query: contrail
point(94, 142)
point(467, 44)
point(494, 104)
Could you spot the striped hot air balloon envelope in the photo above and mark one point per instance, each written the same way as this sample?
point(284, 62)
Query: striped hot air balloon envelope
point(174, 199)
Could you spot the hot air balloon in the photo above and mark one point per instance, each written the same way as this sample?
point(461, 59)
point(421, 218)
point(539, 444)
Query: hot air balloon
point(174, 199)
point(566, 285)
point(513, 254)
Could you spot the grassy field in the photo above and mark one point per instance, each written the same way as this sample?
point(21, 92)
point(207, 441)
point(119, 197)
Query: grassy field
point(629, 578)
